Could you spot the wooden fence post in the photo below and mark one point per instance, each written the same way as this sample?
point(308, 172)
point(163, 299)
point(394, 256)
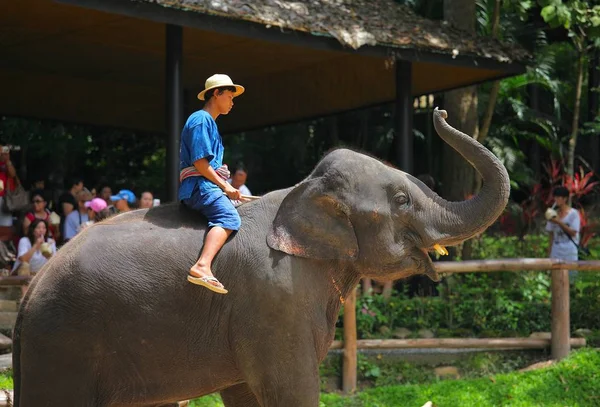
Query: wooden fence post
point(350, 359)
point(561, 332)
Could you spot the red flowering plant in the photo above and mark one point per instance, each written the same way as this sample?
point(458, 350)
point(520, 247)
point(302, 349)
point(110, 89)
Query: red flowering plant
point(587, 228)
point(579, 184)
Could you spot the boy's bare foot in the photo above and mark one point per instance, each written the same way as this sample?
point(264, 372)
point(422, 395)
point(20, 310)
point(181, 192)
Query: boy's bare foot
point(204, 271)
point(202, 275)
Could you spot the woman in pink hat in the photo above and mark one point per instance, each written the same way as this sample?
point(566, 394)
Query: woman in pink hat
point(97, 210)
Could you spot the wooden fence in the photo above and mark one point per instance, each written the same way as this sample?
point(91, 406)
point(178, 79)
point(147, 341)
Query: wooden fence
point(560, 340)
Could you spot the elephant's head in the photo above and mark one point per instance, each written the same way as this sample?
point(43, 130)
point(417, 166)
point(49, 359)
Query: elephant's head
point(355, 208)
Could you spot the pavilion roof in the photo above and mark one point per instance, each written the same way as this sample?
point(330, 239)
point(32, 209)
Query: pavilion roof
point(356, 23)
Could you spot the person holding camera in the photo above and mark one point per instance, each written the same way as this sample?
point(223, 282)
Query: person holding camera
point(563, 225)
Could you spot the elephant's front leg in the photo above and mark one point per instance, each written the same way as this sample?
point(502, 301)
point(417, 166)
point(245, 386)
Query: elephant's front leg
point(283, 375)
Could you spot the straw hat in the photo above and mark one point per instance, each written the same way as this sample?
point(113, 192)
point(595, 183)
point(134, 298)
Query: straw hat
point(218, 81)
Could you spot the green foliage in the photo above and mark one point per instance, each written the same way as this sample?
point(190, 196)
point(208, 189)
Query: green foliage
point(557, 48)
point(399, 372)
point(572, 15)
point(367, 369)
point(491, 363)
point(374, 312)
point(585, 297)
point(6, 379)
point(552, 73)
point(330, 367)
point(212, 400)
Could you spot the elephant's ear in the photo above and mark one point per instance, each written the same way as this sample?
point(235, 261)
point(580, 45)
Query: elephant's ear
point(313, 224)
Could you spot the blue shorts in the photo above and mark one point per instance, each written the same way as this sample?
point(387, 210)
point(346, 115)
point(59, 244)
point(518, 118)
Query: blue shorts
point(219, 212)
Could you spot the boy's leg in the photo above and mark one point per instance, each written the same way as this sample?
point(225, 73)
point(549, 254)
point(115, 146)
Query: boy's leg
point(215, 239)
point(223, 219)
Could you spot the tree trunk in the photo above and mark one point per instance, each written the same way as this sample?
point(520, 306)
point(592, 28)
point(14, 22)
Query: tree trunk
point(576, 109)
point(594, 105)
point(489, 112)
point(491, 106)
point(458, 177)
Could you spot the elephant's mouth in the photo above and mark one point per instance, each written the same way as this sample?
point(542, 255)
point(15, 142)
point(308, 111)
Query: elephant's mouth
point(417, 262)
point(425, 264)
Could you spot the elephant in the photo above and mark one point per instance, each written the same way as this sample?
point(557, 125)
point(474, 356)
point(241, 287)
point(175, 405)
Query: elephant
point(111, 320)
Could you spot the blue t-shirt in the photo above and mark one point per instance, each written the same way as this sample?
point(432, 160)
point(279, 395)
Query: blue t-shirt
point(74, 222)
point(200, 138)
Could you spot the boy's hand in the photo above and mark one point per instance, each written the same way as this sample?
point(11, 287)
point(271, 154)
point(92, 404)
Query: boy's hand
point(232, 193)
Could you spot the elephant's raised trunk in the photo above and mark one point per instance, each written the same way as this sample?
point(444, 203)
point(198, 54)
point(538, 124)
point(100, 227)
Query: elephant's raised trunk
point(457, 221)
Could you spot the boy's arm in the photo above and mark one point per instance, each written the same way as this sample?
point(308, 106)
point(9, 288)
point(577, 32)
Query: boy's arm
point(203, 167)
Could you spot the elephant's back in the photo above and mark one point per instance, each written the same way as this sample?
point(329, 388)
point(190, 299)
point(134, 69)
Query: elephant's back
point(138, 243)
point(116, 270)
point(145, 256)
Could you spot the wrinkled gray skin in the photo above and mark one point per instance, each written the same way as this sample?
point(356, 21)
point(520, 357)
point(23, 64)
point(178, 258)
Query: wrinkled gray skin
point(112, 321)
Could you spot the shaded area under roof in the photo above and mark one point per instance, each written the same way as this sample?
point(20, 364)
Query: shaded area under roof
point(85, 65)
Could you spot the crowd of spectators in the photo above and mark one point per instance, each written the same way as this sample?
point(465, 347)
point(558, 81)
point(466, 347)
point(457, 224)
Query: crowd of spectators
point(31, 234)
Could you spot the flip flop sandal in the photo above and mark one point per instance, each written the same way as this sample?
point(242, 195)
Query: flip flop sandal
point(205, 282)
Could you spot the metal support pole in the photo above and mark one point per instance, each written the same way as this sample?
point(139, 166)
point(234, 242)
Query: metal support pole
point(404, 116)
point(561, 332)
point(174, 106)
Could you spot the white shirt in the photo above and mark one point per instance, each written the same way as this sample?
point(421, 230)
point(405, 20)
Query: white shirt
point(562, 246)
point(38, 260)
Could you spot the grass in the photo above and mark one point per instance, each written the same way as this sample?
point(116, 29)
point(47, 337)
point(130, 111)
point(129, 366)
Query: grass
point(573, 382)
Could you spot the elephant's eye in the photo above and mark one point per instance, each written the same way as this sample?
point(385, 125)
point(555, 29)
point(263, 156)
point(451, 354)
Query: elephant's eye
point(401, 198)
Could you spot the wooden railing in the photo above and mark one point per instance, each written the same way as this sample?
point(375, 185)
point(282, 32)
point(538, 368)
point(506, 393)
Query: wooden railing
point(14, 280)
point(560, 340)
